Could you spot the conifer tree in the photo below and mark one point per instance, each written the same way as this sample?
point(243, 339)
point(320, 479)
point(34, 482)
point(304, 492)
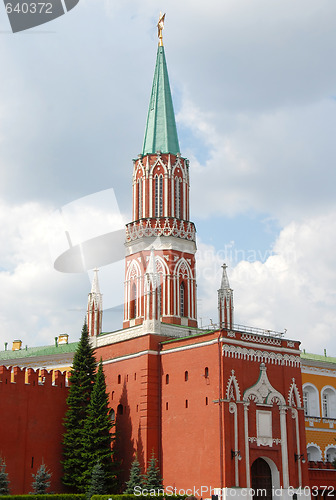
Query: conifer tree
point(98, 482)
point(135, 478)
point(81, 385)
point(153, 479)
point(4, 481)
point(41, 480)
point(98, 435)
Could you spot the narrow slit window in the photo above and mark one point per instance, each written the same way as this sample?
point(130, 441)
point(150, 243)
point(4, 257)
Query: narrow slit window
point(182, 299)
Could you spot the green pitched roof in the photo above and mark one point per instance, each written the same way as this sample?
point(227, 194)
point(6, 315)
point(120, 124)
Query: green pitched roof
point(38, 351)
point(161, 133)
point(318, 357)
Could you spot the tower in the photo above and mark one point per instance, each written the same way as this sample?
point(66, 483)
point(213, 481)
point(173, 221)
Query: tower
point(160, 281)
point(225, 302)
point(95, 308)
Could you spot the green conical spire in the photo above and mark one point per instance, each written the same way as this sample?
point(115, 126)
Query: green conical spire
point(161, 133)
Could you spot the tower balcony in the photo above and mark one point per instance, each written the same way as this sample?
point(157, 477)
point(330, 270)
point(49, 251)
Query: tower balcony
point(161, 226)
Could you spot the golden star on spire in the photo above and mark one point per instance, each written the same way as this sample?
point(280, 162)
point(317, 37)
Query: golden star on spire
point(160, 26)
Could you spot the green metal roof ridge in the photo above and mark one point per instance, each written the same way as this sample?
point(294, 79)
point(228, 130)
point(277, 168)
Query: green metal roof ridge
point(318, 357)
point(38, 351)
point(161, 132)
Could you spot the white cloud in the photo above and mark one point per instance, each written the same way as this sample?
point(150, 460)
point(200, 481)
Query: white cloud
point(37, 303)
point(293, 289)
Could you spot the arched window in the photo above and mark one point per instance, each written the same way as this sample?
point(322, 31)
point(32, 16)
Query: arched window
point(311, 401)
point(313, 453)
point(119, 379)
point(112, 414)
point(159, 196)
point(139, 198)
point(133, 311)
point(206, 372)
point(120, 409)
point(186, 376)
point(182, 299)
point(328, 402)
point(330, 454)
point(167, 378)
point(177, 199)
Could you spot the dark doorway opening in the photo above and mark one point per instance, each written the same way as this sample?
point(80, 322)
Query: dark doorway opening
point(261, 480)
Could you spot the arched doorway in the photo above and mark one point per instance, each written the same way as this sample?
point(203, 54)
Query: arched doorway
point(261, 479)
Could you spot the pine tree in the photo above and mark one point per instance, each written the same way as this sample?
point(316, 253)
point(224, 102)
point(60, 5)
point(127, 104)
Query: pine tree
point(4, 481)
point(41, 480)
point(98, 481)
point(81, 385)
point(98, 436)
point(135, 479)
point(153, 479)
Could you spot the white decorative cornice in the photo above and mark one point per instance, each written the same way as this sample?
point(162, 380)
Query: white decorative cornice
point(316, 370)
point(275, 358)
point(249, 344)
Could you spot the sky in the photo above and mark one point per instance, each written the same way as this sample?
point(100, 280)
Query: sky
point(254, 88)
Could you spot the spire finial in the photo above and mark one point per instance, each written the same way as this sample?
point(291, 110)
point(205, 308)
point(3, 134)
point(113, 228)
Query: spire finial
point(160, 26)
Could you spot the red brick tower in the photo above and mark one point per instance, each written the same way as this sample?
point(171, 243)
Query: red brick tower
point(160, 287)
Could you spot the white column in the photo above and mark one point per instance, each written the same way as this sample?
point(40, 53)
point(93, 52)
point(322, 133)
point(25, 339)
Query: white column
point(298, 451)
point(247, 447)
point(284, 449)
point(233, 410)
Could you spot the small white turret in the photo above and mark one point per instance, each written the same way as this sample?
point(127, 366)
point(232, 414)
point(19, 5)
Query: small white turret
point(225, 302)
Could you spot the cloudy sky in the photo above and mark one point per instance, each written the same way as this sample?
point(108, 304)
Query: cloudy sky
point(254, 88)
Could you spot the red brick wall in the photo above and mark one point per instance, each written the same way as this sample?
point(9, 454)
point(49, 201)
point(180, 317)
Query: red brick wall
point(31, 426)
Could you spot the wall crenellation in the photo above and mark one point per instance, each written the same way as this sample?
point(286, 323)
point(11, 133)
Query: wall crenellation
point(29, 376)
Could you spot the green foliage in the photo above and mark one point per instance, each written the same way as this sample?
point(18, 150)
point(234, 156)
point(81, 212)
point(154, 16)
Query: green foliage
point(4, 481)
point(81, 384)
point(135, 477)
point(41, 480)
point(98, 437)
point(153, 479)
point(98, 481)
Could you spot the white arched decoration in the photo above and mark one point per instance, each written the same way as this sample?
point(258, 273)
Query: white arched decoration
point(133, 277)
point(138, 177)
point(162, 273)
point(314, 453)
point(294, 398)
point(232, 388)
point(311, 400)
point(328, 402)
point(183, 272)
point(179, 171)
point(330, 453)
